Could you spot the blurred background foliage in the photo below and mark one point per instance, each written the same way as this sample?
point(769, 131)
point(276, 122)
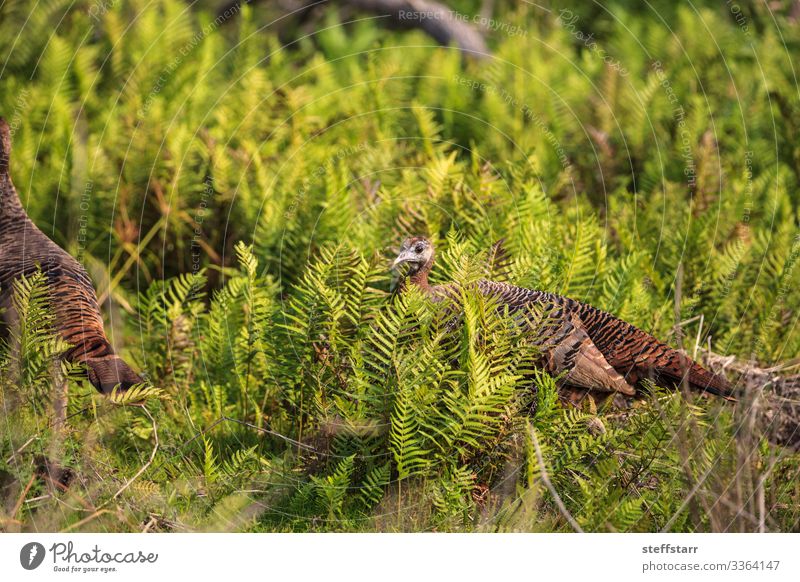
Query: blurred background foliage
point(236, 187)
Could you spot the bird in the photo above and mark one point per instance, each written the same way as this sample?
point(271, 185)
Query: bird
point(587, 347)
point(25, 250)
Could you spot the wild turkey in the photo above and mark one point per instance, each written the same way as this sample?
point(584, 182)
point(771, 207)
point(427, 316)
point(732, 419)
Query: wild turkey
point(23, 250)
point(593, 349)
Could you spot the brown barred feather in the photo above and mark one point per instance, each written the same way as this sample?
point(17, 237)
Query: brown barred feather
point(593, 348)
point(24, 249)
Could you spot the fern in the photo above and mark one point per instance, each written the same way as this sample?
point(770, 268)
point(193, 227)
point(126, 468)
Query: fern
point(32, 349)
point(332, 489)
point(288, 373)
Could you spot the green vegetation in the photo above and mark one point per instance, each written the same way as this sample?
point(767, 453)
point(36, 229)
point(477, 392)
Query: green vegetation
point(237, 201)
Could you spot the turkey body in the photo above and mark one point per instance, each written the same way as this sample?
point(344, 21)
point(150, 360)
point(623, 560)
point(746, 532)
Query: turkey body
point(24, 250)
point(589, 348)
point(597, 350)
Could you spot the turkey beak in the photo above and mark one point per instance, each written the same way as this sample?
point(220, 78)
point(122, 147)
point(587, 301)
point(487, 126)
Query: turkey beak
point(401, 258)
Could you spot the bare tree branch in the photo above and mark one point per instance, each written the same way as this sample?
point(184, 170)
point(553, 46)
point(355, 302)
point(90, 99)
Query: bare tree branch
point(443, 24)
point(446, 26)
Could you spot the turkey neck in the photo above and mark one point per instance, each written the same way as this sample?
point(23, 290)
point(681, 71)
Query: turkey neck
point(10, 205)
point(420, 276)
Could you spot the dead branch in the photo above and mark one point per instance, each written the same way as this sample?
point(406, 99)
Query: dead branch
point(444, 25)
point(779, 410)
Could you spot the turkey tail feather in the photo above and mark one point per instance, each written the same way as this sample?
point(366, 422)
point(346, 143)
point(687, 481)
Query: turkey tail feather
point(702, 379)
point(109, 372)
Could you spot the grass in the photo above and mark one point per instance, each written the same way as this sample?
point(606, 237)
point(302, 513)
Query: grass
point(236, 192)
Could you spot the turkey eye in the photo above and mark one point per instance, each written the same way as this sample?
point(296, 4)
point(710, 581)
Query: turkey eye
point(418, 249)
